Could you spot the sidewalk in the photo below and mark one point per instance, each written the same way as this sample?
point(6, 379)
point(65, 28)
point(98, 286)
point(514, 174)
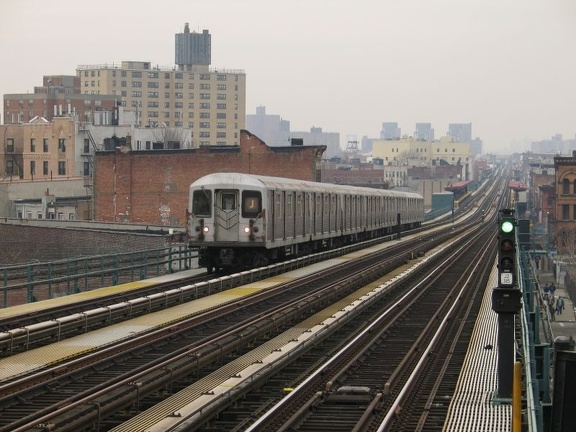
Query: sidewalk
point(568, 314)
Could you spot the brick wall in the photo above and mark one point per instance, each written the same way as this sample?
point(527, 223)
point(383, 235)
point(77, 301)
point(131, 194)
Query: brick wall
point(152, 186)
point(22, 244)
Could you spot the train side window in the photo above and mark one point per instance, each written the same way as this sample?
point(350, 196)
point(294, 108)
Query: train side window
point(251, 204)
point(228, 201)
point(202, 203)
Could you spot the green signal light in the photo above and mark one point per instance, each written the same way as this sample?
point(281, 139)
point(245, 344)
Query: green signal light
point(507, 227)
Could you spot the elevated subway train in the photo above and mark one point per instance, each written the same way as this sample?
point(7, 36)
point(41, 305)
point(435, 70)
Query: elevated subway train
point(241, 221)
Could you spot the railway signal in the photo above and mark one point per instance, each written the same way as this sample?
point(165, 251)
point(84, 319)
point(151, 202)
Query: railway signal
point(507, 272)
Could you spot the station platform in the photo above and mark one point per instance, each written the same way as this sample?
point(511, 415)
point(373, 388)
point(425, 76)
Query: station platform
point(30, 308)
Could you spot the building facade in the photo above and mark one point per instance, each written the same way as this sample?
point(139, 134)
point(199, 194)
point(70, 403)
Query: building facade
point(38, 150)
point(210, 102)
point(564, 222)
point(58, 96)
point(460, 132)
point(153, 186)
point(424, 132)
point(193, 48)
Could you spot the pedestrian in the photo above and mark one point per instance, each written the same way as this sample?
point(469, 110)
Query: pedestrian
point(552, 311)
point(559, 305)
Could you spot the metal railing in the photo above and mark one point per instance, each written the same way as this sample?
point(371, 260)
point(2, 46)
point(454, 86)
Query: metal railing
point(36, 281)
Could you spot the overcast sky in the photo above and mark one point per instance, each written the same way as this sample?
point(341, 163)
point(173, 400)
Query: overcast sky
point(506, 66)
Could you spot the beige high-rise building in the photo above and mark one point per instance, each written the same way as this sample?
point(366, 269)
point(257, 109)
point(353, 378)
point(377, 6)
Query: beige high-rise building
point(211, 102)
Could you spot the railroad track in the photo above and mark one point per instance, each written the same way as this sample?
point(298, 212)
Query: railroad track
point(99, 383)
point(396, 373)
point(146, 370)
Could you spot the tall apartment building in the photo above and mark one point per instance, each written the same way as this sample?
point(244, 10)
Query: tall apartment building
point(210, 101)
point(424, 132)
point(390, 131)
point(193, 48)
point(461, 132)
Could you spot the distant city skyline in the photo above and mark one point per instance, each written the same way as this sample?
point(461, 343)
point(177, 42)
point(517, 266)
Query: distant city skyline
point(505, 67)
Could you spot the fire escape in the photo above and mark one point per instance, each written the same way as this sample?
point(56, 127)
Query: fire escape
point(88, 152)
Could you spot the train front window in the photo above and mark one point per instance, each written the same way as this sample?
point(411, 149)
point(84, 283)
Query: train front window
point(251, 204)
point(202, 203)
point(228, 201)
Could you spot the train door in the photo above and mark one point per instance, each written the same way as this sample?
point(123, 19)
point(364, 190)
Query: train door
point(227, 217)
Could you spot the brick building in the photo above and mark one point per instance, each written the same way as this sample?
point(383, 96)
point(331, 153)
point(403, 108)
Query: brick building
point(152, 186)
point(565, 212)
point(59, 95)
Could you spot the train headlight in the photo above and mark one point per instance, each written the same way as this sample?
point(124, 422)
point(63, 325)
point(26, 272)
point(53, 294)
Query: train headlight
point(247, 230)
point(205, 229)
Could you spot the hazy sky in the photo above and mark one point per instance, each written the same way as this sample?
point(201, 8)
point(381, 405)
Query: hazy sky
point(506, 66)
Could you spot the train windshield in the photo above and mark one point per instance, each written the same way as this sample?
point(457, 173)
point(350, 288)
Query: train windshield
point(251, 204)
point(202, 203)
point(228, 201)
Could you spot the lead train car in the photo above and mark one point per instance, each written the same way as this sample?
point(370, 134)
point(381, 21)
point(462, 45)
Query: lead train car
point(241, 221)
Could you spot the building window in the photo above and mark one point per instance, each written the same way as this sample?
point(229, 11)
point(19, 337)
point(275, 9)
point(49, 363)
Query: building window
point(86, 145)
point(61, 145)
point(32, 145)
point(10, 145)
point(61, 168)
point(32, 168)
point(565, 187)
point(39, 215)
point(45, 145)
point(28, 215)
point(86, 170)
point(71, 216)
point(45, 168)
point(9, 167)
point(565, 212)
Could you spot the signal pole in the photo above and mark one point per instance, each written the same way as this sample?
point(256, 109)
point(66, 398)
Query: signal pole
point(506, 300)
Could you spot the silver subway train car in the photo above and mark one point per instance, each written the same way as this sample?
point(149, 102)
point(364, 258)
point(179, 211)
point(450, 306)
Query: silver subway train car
point(241, 221)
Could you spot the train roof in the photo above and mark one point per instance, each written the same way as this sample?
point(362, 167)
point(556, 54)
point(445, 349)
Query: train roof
point(258, 181)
